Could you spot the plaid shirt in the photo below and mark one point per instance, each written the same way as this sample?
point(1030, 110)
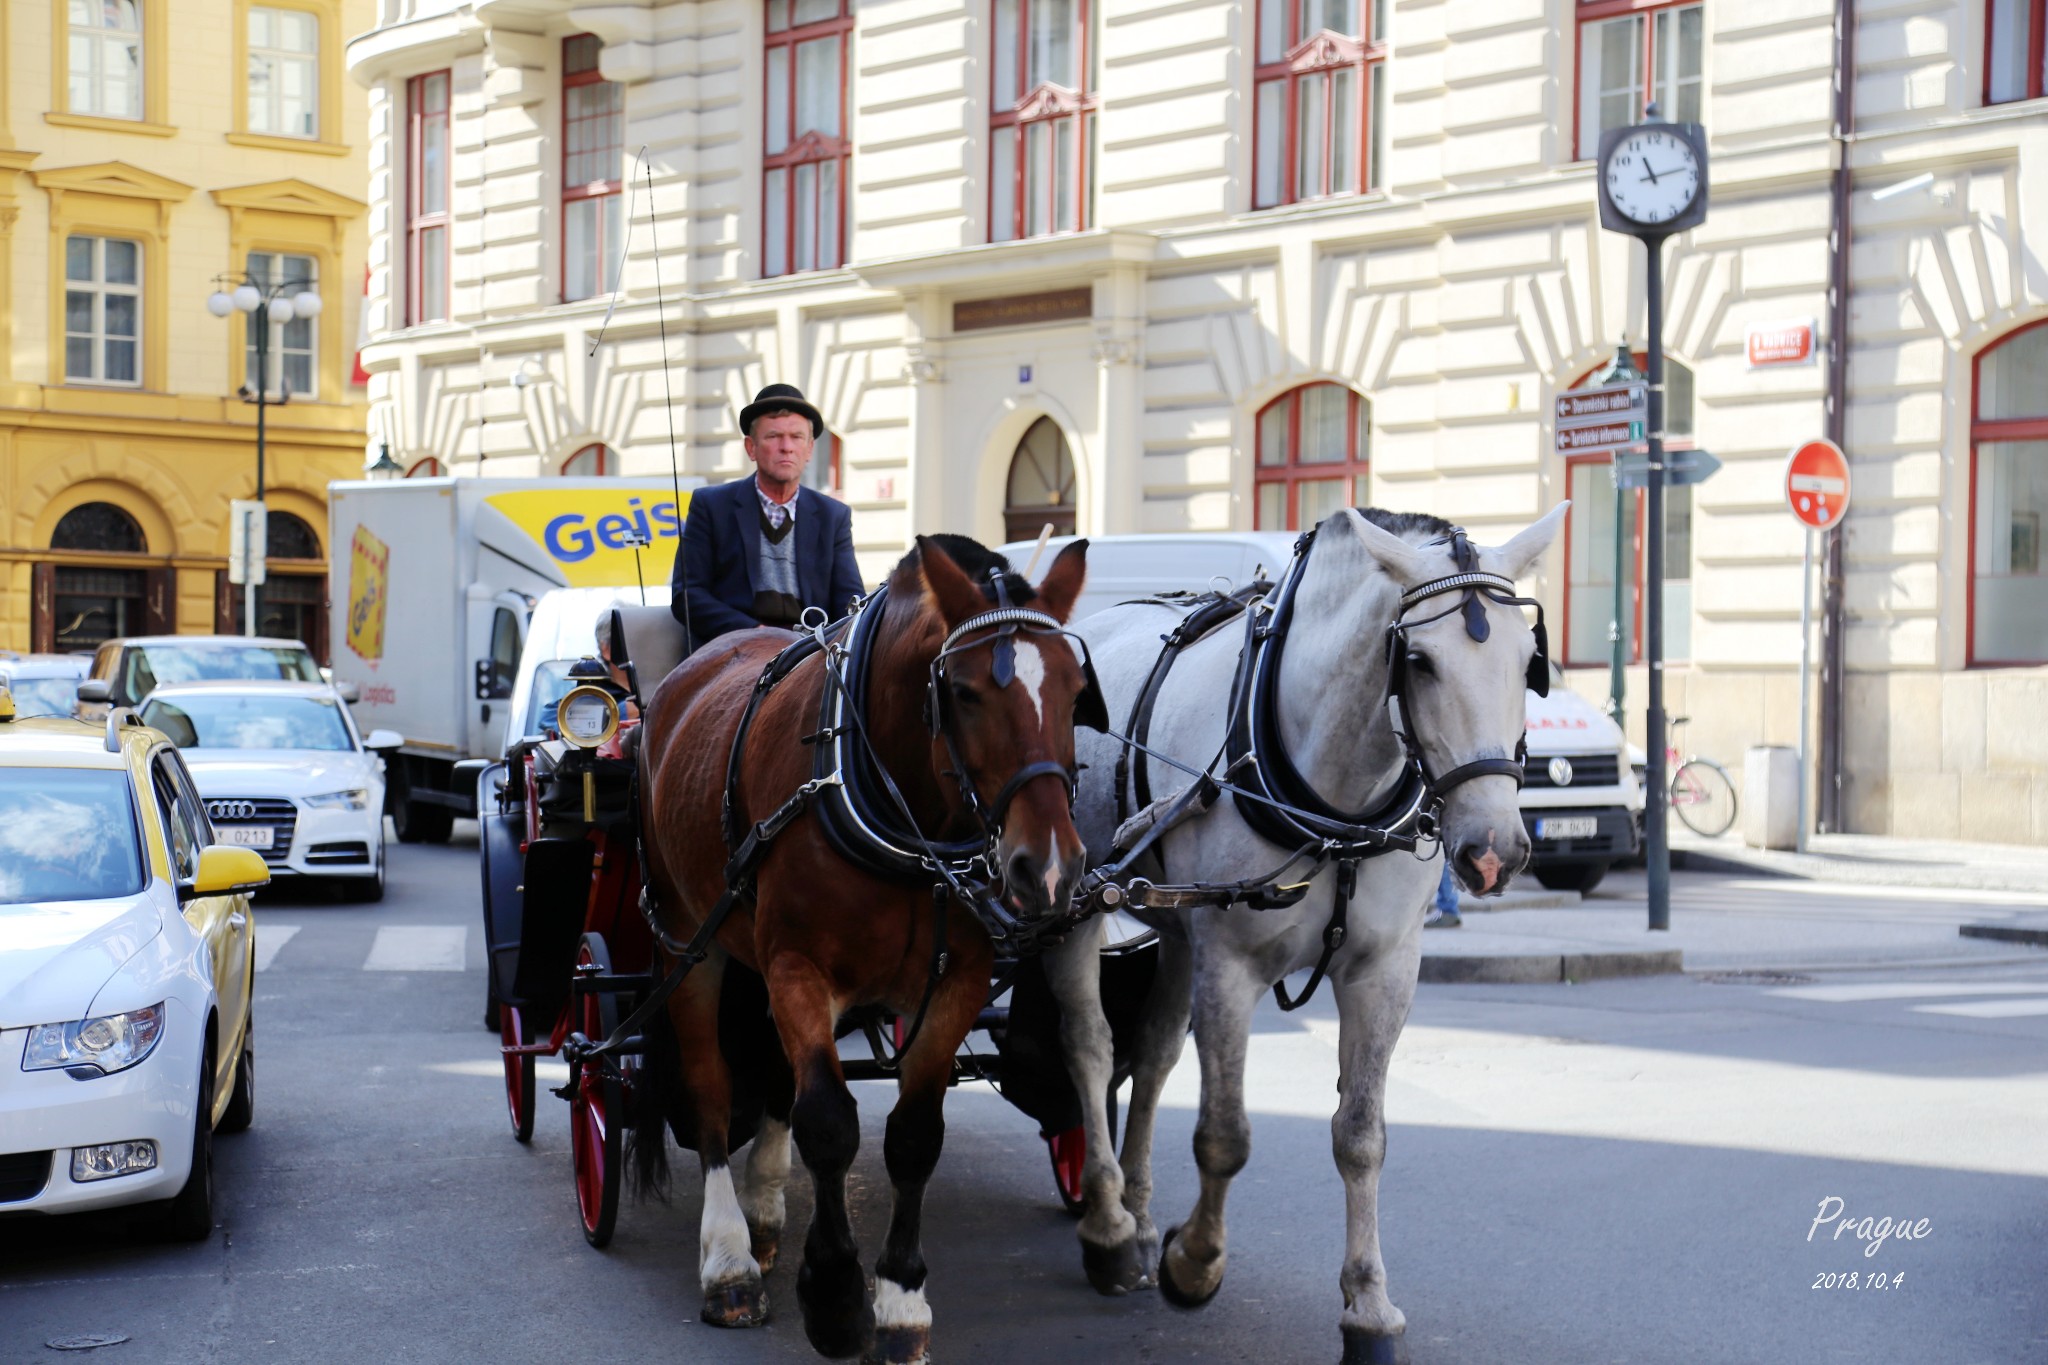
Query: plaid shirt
point(776, 512)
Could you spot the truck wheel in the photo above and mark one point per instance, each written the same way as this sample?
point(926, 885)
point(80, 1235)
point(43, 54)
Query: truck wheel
point(1579, 877)
point(422, 822)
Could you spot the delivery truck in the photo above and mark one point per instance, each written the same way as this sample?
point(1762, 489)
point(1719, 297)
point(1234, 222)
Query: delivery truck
point(433, 583)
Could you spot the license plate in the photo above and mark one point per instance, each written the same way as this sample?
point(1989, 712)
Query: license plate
point(1568, 827)
point(246, 836)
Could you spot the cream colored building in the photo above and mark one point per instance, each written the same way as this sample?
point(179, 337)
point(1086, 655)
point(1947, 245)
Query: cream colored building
point(1078, 260)
point(146, 148)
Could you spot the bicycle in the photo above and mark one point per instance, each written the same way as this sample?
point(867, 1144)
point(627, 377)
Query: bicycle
point(1701, 791)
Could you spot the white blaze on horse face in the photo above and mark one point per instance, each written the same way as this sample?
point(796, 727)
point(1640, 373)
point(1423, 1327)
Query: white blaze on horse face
point(1031, 672)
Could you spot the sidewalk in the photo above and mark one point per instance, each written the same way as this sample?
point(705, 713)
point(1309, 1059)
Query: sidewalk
point(1876, 860)
point(1741, 921)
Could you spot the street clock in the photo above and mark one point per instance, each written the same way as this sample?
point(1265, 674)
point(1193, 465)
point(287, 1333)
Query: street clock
point(1653, 178)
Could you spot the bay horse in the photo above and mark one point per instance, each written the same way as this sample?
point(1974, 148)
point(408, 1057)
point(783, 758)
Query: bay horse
point(972, 716)
point(1376, 606)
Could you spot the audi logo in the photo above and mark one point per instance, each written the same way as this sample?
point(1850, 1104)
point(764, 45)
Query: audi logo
point(231, 810)
point(1560, 772)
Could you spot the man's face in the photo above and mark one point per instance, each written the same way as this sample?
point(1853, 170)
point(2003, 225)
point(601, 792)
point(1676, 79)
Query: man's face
point(780, 445)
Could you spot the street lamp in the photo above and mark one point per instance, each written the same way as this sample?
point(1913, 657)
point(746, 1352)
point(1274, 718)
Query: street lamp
point(1620, 370)
point(281, 302)
point(386, 469)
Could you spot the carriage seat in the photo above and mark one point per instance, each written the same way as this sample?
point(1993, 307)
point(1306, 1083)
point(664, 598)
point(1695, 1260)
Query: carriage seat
point(648, 642)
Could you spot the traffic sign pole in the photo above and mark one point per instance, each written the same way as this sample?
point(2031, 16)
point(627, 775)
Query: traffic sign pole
point(1817, 492)
point(1805, 669)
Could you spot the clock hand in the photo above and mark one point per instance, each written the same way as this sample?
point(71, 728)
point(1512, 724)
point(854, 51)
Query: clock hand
point(1650, 176)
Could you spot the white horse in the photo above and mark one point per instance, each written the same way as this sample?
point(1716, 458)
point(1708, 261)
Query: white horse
point(1463, 704)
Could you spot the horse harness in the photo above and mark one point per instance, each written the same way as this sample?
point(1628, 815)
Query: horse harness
point(861, 826)
point(1276, 801)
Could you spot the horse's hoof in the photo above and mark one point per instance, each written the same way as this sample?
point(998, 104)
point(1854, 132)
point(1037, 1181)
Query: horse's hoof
point(736, 1305)
point(1170, 1289)
point(1373, 1348)
point(1113, 1269)
point(900, 1346)
point(764, 1245)
point(838, 1319)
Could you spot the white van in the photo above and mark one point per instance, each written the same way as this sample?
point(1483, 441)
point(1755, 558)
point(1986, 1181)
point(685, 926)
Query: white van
point(1580, 798)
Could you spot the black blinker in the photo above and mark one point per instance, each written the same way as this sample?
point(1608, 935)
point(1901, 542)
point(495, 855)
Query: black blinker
point(1539, 666)
point(1091, 710)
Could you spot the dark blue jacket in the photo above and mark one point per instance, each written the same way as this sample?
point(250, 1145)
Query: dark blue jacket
point(721, 552)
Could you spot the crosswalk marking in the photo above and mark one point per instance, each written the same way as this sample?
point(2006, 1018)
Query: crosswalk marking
point(1907, 990)
point(418, 948)
point(270, 938)
point(1989, 1009)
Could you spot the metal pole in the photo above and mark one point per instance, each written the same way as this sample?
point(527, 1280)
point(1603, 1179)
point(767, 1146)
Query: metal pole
point(252, 605)
point(1833, 664)
point(1805, 665)
point(1617, 631)
point(1656, 807)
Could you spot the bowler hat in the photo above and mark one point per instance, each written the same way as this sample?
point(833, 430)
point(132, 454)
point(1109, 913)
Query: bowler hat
point(780, 398)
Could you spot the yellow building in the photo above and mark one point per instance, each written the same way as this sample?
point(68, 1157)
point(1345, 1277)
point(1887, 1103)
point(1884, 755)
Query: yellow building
point(148, 147)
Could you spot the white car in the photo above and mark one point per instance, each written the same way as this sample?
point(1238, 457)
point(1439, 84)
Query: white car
point(283, 771)
point(126, 953)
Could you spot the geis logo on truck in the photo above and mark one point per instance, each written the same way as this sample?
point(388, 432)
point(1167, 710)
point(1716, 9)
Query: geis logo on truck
point(591, 533)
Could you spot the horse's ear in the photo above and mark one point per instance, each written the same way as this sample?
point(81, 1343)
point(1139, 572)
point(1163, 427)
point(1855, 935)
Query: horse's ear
point(1521, 553)
point(952, 591)
point(1062, 584)
point(1407, 564)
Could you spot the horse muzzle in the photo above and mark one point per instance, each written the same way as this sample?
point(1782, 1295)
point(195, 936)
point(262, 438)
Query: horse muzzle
point(1487, 861)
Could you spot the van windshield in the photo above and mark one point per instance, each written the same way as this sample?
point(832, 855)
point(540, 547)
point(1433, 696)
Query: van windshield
point(67, 834)
point(152, 665)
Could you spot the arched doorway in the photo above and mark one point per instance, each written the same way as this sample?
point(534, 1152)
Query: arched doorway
point(94, 590)
point(294, 588)
point(1041, 484)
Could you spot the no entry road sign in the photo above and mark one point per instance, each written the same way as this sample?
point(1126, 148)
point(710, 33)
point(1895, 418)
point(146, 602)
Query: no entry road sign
point(1817, 484)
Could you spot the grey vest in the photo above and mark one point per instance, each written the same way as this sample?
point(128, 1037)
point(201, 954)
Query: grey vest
point(778, 598)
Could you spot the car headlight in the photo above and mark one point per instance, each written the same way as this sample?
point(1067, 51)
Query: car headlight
point(109, 1043)
point(356, 798)
point(587, 716)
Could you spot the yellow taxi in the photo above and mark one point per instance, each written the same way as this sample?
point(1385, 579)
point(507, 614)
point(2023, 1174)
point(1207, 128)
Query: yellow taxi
point(127, 959)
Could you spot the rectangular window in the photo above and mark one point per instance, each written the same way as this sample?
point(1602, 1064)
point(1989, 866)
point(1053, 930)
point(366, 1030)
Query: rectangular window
point(291, 344)
point(426, 198)
point(1042, 131)
point(284, 72)
point(2013, 50)
point(105, 60)
point(803, 175)
point(593, 141)
point(103, 311)
point(1319, 99)
point(1632, 54)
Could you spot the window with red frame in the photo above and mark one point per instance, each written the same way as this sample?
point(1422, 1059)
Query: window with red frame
point(1042, 130)
point(1320, 99)
point(2009, 502)
point(803, 180)
point(429, 468)
point(1313, 457)
point(1633, 53)
point(2014, 59)
point(593, 134)
point(593, 461)
point(426, 197)
point(1590, 529)
point(822, 473)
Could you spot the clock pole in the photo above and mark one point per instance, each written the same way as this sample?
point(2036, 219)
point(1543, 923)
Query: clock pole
point(1656, 810)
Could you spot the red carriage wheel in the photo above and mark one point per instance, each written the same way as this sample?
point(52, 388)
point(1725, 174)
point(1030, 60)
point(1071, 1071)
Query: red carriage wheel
point(597, 1110)
point(518, 1072)
point(1069, 1151)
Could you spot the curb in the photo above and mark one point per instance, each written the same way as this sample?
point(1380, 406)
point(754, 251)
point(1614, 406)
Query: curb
point(2007, 933)
point(1538, 969)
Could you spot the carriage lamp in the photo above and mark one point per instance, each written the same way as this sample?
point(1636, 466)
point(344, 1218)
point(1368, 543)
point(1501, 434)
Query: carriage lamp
point(587, 717)
point(94, 1047)
point(110, 1159)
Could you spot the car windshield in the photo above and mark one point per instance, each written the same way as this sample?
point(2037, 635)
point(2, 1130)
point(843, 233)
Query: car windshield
point(195, 721)
point(67, 834)
point(550, 683)
point(43, 696)
point(150, 666)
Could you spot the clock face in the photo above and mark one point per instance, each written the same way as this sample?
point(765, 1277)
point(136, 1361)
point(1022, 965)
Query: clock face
point(1652, 175)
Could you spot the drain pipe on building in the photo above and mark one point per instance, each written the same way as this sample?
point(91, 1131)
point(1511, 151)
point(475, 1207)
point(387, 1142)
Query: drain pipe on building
point(1828, 780)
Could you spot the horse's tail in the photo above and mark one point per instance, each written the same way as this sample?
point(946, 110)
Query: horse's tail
point(656, 1088)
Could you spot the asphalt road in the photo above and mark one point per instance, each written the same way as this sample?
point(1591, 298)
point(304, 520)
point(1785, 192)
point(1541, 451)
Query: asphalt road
point(1620, 1171)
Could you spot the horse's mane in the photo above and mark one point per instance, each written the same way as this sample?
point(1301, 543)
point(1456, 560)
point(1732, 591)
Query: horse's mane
point(1417, 528)
point(975, 560)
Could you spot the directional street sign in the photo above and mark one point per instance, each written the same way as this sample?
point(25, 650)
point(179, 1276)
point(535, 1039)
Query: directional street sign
point(1632, 470)
point(1598, 421)
point(1600, 439)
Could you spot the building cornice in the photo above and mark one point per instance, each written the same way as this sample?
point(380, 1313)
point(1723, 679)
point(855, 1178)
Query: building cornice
point(997, 266)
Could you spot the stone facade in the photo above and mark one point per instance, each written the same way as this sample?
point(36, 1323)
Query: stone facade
point(1458, 298)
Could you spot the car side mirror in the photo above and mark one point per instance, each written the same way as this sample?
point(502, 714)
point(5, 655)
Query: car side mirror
point(383, 739)
point(96, 690)
point(225, 870)
point(348, 692)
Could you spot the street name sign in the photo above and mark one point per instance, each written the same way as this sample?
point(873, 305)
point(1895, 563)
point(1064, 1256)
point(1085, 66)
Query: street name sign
point(1779, 343)
point(1817, 484)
